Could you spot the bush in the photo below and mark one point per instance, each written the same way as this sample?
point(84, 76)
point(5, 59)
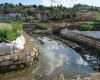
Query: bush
point(86, 27)
point(97, 20)
point(8, 35)
point(40, 25)
point(17, 26)
point(12, 35)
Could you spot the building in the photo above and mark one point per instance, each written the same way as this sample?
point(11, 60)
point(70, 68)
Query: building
point(85, 15)
point(12, 13)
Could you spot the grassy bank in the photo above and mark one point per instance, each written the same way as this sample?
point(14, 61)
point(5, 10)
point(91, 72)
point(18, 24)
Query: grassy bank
point(48, 25)
point(91, 25)
point(9, 32)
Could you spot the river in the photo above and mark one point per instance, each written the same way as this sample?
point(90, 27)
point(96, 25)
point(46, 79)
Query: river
point(56, 59)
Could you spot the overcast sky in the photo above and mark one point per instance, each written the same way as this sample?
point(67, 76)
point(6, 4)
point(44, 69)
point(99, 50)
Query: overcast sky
point(67, 3)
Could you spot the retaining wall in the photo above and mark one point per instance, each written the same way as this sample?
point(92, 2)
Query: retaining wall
point(21, 59)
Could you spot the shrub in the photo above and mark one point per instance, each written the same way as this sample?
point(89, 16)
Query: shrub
point(11, 35)
point(97, 20)
point(86, 27)
point(8, 35)
point(17, 25)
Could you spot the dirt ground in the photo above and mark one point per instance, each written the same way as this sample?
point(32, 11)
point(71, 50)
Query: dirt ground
point(5, 25)
point(95, 77)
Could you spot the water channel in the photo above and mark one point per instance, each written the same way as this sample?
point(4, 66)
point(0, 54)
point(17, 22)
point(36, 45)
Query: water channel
point(56, 58)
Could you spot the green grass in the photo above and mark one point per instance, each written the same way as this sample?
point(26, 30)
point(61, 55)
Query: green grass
point(17, 25)
point(87, 27)
point(10, 33)
point(91, 25)
point(97, 20)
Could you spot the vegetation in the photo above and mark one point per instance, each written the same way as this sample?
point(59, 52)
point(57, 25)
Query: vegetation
point(87, 27)
point(97, 20)
point(52, 16)
point(93, 25)
point(17, 26)
point(48, 25)
point(55, 13)
point(8, 35)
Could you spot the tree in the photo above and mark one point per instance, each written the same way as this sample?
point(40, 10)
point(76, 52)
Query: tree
point(20, 4)
point(29, 13)
point(41, 7)
point(35, 6)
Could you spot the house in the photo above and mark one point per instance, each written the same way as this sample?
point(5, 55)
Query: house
point(12, 13)
point(15, 12)
point(85, 15)
point(41, 15)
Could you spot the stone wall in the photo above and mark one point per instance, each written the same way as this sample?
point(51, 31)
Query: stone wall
point(87, 41)
point(21, 59)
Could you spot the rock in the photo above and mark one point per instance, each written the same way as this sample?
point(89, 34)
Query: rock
point(59, 77)
point(12, 67)
point(4, 63)
point(94, 77)
point(23, 58)
point(83, 40)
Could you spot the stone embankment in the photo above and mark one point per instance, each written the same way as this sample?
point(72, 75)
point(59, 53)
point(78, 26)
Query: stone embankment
point(21, 59)
point(42, 32)
point(75, 37)
point(95, 77)
point(89, 42)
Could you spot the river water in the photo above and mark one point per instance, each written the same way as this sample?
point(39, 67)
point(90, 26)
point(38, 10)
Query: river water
point(55, 58)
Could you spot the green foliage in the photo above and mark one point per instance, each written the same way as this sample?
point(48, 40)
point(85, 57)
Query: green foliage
point(3, 36)
point(97, 20)
point(53, 13)
point(40, 25)
point(86, 27)
point(8, 35)
point(11, 35)
point(29, 12)
point(43, 26)
point(48, 25)
point(17, 26)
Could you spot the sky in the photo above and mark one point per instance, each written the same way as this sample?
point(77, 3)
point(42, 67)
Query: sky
point(66, 3)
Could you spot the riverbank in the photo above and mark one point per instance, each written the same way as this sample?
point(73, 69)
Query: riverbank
point(95, 77)
point(20, 59)
point(55, 55)
point(84, 51)
point(52, 55)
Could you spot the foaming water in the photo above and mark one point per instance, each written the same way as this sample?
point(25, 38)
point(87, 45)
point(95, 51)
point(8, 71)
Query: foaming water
point(57, 58)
